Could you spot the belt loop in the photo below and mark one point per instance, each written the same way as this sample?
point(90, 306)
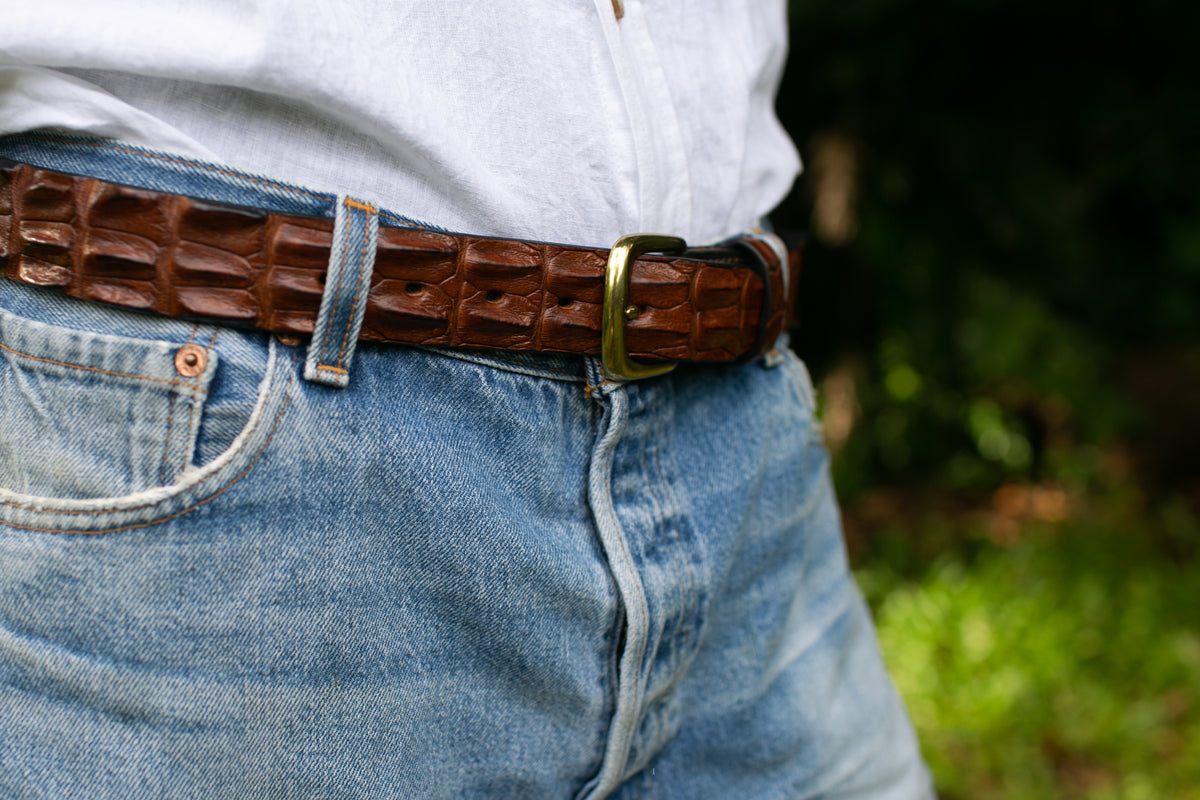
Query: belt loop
point(347, 281)
point(780, 248)
point(765, 337)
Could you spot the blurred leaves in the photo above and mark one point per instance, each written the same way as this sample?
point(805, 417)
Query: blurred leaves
point(1049, 668)
point(1002, 203)
point(1001, 301)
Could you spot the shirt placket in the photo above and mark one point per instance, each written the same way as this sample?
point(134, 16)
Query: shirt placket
point(664, 184)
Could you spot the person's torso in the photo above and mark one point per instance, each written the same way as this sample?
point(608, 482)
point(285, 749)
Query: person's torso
point(553, 121)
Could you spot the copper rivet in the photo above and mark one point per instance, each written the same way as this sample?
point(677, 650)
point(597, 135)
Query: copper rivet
point(632, 312)
point(190, 360)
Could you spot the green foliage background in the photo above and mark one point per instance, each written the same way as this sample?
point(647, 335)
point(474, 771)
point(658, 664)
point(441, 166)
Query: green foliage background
point(1016, 307)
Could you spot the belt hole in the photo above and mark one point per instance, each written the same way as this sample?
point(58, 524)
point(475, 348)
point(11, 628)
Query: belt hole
point(412, 288)
point(566, 302)
point(494, 295)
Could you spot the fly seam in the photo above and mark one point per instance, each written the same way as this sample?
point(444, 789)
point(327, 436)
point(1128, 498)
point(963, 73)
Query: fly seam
point(637, 673)
point(612, 513)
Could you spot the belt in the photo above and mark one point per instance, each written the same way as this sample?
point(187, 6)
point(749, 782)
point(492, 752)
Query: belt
point(642, 305)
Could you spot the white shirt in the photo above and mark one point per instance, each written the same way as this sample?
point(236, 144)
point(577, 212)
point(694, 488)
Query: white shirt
point(543, 119)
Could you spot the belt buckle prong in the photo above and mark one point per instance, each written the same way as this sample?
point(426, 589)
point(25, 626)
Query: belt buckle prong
point(618, 366)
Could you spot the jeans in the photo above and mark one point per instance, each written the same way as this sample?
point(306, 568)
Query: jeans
point(464, 574)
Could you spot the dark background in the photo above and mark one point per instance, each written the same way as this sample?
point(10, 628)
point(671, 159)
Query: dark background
point(1001, 306)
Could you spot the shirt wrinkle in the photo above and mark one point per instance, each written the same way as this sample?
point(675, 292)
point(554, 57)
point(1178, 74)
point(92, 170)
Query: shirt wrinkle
point(636, 114)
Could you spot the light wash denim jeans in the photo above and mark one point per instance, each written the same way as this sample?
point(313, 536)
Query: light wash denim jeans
point(462, 575)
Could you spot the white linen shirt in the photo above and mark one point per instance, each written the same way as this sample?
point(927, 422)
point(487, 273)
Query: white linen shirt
point(563, 120)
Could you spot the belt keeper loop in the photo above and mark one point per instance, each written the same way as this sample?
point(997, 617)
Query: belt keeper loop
point(761, 268)
point(344, 301)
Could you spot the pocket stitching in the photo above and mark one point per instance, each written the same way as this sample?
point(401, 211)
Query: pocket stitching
point(172, 382)
point(169, 517)
point(162, 465)
point(188, 448)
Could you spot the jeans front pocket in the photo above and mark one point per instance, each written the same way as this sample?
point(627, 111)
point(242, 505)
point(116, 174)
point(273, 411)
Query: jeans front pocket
point(112, 420)
point(86, 415)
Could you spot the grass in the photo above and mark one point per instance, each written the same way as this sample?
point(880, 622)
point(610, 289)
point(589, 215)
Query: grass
point(1060, 660)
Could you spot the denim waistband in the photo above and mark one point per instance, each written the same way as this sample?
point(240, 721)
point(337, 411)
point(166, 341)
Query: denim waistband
point(132, 165)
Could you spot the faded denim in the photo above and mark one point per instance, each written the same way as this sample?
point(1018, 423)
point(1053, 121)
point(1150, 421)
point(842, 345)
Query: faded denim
point(462, 575)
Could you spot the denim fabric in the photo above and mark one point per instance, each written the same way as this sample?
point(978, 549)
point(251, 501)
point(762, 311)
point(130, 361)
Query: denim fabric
point(344, 301)
point(462, 575)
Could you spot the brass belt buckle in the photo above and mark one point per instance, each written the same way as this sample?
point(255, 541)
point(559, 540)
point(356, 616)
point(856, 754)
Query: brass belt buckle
point(618, 366)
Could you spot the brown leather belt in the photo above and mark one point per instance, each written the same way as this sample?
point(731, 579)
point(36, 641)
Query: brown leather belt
point(182, 256)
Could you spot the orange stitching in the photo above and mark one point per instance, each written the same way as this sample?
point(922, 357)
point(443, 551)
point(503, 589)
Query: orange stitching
point(100, 371)
point(362, 263)
point(168, 518)
point(175, 160)
point(331, 369)
point(589, 388)
point(370, 209)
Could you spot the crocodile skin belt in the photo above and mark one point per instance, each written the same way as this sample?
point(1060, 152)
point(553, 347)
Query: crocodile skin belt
point(635, 304)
